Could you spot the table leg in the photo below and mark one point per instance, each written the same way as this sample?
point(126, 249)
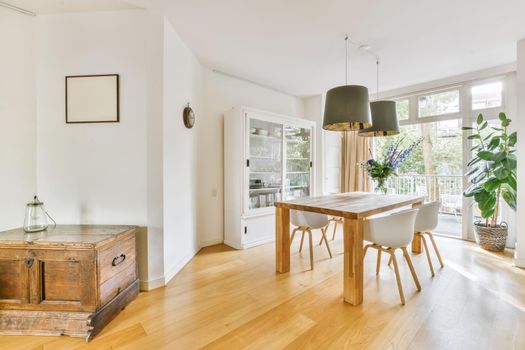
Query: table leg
point(416, 241)
point(353, 261)
point(282, 240)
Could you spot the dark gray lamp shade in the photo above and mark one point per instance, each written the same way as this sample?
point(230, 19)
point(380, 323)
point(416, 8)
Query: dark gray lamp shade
point(384, 120)
point(347, 108)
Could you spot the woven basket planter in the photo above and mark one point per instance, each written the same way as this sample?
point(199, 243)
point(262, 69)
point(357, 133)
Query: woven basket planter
point(491, 238)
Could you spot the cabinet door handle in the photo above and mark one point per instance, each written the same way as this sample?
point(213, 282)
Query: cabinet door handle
point(118, 260)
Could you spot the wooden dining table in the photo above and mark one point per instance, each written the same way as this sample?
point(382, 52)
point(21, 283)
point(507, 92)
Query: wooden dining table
point(354, 208)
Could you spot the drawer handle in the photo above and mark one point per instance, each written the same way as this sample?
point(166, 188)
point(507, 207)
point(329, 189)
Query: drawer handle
point(118, 260)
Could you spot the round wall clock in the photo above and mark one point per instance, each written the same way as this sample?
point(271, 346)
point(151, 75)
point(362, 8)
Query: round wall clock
point(188, 117)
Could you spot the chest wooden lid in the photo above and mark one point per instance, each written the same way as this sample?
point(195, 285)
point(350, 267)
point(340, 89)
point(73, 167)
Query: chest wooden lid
point(89, 236)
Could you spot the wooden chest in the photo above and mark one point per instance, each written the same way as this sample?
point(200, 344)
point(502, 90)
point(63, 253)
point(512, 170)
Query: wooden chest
point(68, 280)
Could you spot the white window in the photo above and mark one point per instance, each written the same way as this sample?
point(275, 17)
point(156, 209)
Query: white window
point(487, 95)
point(440, 103)
point(402, 109)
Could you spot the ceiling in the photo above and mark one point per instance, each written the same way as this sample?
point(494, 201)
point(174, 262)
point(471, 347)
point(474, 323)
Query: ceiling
point(60, 6)
point(298, 45)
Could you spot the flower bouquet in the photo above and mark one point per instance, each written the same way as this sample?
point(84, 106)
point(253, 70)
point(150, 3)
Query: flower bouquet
point(381, 169)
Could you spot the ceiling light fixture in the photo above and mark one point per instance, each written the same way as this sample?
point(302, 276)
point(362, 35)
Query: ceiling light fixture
point(347, 107)
point(384, 115)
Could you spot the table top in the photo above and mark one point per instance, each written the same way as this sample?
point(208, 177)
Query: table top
point(352, 205)
point(74, 235)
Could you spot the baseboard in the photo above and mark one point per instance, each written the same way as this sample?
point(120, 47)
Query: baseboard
point(235, 245)
point(179, 266)
point(211, 242)
point(519, 262)
point(147, 285)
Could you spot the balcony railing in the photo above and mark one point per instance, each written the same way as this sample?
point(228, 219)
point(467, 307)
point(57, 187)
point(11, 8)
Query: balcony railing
point(447, 189)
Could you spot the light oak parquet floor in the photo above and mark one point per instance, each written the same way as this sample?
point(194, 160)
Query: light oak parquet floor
point(228, 299)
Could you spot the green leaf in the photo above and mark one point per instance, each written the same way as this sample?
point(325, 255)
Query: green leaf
point(488, 136)
point(501, 173)
point(509, 162)
point(480, 119)
point(485, 155)
point(472, 171)
point(509, 197)
point(502, 116)
point(488, 203)
point(494, 143)
point(481, 196)
point(497, 129)
point(498, 157)
point(484, 125)
point(511, 181)
point(485, 214)
point(505, 122)
point(474, 137)
point(467, 128)
point(513, 138)
point(474, 161)
point(472, 190)
point(491, 184)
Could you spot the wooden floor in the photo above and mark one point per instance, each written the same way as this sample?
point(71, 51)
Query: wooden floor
point(227, 299)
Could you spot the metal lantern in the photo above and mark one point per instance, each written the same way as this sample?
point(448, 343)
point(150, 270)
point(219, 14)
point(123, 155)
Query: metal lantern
point(36, 216)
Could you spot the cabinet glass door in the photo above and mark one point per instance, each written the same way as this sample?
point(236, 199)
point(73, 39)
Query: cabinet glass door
point(265, 163)
point(298, 166)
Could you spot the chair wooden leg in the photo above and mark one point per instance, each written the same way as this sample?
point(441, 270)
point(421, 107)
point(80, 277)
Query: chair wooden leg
point(411, 267)
point(323, 237)
point(378, 264)
point(425, 246)
point(435, 248)
point(398, 279)
point(323, 231)
point(335, 230)
point(293, 234)
point(311, 249)
point(302, 239)
point(390, 261)
point(366, 249)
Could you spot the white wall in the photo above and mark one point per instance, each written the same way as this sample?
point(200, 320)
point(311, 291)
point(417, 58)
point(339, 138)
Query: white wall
point(313, 110)
point(92, 173)
point(220, 94)
point(182, 85)
point(520, 126)
point(104, 173)
point(17, 117)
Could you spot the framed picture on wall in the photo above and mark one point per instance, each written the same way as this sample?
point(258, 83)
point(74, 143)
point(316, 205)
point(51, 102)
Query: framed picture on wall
point(92, 98)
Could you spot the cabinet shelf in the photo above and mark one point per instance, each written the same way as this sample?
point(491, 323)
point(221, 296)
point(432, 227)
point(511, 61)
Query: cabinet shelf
point(251, 160)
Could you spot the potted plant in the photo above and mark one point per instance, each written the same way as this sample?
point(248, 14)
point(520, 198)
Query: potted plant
point(492, 175)
point(382, 168)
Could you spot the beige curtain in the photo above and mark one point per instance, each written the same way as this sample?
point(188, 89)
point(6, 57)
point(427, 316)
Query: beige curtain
point(354, 150)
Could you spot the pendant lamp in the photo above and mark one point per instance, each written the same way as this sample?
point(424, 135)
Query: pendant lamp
point(384, 116)
point(347, 107)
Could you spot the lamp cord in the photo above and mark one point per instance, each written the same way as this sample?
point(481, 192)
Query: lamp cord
point(346, 60)
point(377, 78)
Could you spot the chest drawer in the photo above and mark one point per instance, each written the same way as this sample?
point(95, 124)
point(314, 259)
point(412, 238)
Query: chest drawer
point(116, 259)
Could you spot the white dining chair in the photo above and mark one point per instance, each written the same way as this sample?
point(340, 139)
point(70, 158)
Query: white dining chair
point(337, 221)
point(306, 222)
point(426, 222)
point(389, 233)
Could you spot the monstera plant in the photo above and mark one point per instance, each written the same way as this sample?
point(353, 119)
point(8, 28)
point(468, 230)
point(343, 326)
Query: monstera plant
point(492, 174)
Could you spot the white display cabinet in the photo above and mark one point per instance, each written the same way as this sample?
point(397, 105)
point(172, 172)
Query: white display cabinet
point(267, 157)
